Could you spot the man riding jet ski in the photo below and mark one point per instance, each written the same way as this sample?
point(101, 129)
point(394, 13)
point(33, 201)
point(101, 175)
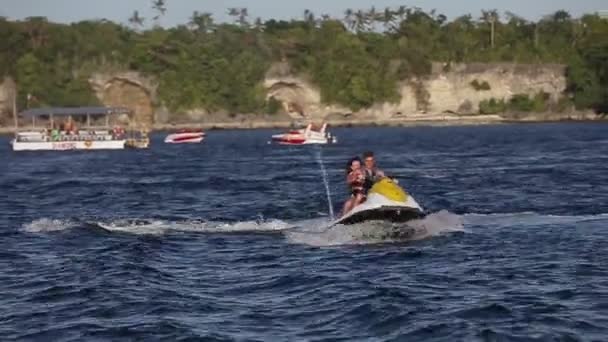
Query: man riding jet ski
point(383, 198)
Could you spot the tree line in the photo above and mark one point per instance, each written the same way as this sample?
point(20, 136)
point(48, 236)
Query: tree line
point(355, 60)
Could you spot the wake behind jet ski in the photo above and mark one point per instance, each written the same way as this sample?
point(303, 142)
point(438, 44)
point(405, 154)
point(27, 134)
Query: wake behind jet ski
point(386, 201)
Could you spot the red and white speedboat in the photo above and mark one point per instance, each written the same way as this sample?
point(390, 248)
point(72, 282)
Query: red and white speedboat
point(185, 136)
point(306, 136)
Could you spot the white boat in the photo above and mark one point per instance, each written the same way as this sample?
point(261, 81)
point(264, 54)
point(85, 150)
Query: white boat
point(386, 201)
point(306, 136)
point(185, 136)
point(70, 137)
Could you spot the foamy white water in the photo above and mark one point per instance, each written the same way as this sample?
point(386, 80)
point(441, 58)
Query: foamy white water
point(376, 231)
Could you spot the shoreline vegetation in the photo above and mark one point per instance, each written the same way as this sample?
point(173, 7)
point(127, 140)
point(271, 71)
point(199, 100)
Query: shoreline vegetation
point(355, 60)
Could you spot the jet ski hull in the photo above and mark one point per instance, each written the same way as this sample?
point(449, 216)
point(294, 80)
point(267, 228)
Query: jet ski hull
point(388, 213)
point(386, 201)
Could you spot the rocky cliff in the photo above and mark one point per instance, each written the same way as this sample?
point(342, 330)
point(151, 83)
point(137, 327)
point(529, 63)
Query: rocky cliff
point(453, 89)
point(7, 90)
point(128, 89)
point(448, 93)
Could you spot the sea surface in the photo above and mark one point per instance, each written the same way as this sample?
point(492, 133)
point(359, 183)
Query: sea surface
point(228, 240)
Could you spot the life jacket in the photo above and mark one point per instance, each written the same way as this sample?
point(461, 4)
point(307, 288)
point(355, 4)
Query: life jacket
point(371, 177)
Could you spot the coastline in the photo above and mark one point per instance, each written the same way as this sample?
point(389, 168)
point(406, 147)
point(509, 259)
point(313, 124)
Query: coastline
point(271, 122)
point(408, 121)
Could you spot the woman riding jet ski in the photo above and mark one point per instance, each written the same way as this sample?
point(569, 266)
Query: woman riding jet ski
point(384, 200)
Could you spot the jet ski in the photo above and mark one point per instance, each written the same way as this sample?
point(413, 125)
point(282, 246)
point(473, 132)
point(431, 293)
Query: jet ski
point(386, 201)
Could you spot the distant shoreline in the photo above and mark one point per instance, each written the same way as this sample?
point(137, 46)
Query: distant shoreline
point(435, 120)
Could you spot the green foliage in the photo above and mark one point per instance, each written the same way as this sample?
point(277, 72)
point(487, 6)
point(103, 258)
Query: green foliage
point(273, 106)
point(521, 103)
point(540, 102)
point(563, 104)
point(492, 106)
point(480, 86)
point(355, 61)
point(517, 103)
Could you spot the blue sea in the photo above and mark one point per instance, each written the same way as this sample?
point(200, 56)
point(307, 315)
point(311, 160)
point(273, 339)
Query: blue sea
point(228, 240)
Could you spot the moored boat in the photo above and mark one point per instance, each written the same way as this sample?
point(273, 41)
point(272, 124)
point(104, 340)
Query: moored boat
point(61, 132)
point(185, 136)
point(309, 135)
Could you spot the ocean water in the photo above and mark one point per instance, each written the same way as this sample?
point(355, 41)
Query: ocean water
point(228, 240)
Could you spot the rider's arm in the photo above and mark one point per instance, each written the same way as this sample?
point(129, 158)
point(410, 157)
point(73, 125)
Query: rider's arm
point(351, 178)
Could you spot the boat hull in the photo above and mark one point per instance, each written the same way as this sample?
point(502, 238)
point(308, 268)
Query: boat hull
point(395, 214)
point(300, 140)
point(184, 138)
point(307, 136)
point(185, 141)
point(68, 145)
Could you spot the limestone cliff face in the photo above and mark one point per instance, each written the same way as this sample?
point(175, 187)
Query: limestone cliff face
point(300, 98)
point(127, 89)
point(445, 90)
point(450, 91)
point(444, 94)
point(7, 89)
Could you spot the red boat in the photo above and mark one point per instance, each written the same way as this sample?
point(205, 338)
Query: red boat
point(305, 136)
point(185, 136)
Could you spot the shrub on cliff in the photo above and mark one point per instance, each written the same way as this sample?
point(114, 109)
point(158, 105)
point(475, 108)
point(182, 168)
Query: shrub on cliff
point(273, 106)
point(517, 103)
point(492, 106)
point(523, 103)
point(479, 86)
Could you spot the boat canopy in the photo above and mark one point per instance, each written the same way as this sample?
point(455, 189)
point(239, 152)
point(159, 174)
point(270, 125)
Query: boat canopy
point(73, 111)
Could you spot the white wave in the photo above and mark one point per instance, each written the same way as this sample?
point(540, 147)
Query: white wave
point(159, 227)
point(47, 225)
point(315, 232)
point(374, 232)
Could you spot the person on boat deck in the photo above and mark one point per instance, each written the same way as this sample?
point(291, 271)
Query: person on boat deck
point(371, 171)
point(55, 134)
point(355, 179)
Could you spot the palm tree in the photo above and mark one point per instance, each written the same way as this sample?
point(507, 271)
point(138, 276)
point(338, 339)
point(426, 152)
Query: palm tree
point(243, 14)
point(309, 17)
point(361, 21)
point(372, 16)
point(258, 24)
point(387, 18)
point(401, 13)
point(240, 15)
point(136, 20)
point(234, 12)
point(201, 22)
point(577, 31)
point(561, 16)
point(490, 17)
point(536, 34)
point(36, 28)
point(160, 7)
point(349, 19)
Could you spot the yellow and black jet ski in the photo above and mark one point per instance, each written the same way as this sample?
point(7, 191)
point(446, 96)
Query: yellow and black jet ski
point(386, 201)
